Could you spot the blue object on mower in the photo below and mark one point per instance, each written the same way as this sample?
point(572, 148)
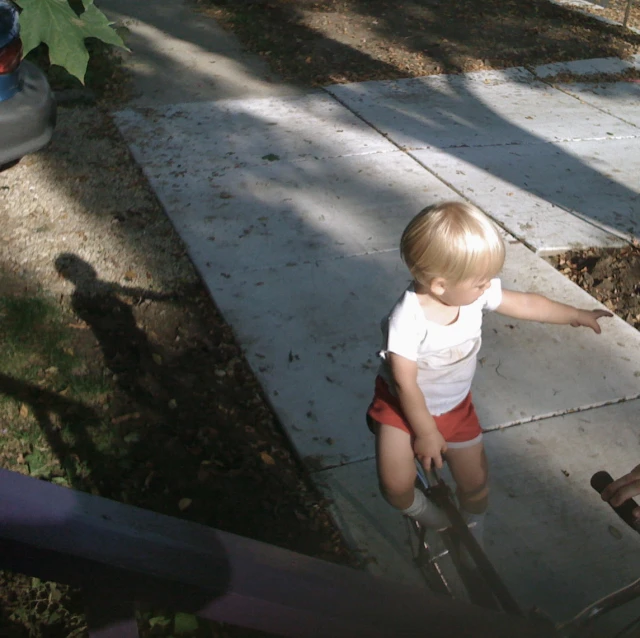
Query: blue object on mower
point(27, 105)
point(9, 85)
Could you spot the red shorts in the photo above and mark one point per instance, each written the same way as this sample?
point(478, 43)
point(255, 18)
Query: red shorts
point(459, 425)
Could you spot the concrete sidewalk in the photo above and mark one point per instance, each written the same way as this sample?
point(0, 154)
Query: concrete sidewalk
point(292, 205)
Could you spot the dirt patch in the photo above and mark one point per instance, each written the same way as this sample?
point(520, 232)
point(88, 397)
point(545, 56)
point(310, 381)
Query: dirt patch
point(616, 10)
point(334, 41)
point(611, 276)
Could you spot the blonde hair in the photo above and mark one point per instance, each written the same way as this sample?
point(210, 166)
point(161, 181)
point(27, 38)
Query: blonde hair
point(453, 240)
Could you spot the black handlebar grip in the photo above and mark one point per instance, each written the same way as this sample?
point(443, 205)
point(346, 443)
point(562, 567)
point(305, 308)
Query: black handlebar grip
point(599, 481)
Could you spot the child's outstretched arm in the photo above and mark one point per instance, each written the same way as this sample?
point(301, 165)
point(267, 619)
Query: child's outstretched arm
point(429, 444)
point(525, 305)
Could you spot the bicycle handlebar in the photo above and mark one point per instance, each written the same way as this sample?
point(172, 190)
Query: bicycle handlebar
point(599, 481)
point(587, 616)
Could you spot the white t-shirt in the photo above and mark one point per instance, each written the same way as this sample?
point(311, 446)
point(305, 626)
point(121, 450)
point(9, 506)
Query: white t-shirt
point(446, 355)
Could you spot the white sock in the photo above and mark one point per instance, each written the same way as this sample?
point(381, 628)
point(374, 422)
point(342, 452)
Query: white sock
point(426, 512)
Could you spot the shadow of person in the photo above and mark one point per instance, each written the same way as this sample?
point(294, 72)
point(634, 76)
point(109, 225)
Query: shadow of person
point(125, 347)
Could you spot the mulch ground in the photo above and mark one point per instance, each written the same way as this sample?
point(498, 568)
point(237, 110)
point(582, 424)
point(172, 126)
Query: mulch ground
point(333, 41)
point(610, 276)
point(616, 10)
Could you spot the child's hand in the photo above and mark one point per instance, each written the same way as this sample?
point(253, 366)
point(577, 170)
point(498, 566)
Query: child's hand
point(428, 447)
point(589, 318)
point(623, 489)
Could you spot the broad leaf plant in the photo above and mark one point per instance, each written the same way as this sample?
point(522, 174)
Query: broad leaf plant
point(64, 31)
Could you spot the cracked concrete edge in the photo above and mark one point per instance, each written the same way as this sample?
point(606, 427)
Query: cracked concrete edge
point(593, 66)
point(550, 415)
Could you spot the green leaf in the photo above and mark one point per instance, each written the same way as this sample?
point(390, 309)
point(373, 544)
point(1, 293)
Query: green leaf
point(38, 464)
point(184, 624)
point(161, 621)
point(55, 593)
point(98, 26)
point(56, 24)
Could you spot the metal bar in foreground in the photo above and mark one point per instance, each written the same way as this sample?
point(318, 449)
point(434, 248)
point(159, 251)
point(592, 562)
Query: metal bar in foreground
point(72, 537)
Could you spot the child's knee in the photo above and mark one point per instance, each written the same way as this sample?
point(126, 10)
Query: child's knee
point(397, 491)
point(474, 500)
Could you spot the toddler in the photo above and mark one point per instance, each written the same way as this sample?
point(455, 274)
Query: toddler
point(422, 406)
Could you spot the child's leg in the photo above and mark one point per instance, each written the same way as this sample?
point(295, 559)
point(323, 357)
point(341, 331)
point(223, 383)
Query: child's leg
point(470, 471)
point(397, 475)
point(396, 468)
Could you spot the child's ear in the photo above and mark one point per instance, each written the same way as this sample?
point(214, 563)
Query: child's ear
point(437, 286)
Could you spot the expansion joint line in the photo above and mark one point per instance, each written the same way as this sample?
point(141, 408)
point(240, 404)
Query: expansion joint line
point(558, 413)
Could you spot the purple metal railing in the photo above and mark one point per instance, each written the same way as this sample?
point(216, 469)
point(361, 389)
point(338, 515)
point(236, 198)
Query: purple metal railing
point(120, 554)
